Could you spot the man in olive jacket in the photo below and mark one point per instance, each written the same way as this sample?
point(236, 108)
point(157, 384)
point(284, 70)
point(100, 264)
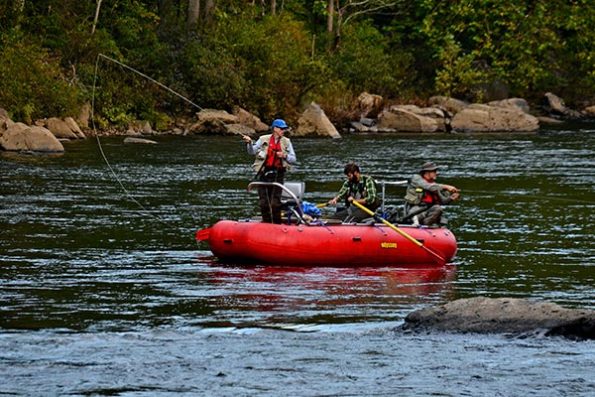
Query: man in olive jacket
point(425, 197)
point(274, 154)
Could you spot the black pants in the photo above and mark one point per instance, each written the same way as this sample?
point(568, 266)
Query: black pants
point(354, 214)
point(269, 197)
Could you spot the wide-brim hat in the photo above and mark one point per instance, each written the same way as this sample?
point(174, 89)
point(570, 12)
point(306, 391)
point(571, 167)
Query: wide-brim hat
point(428, 166)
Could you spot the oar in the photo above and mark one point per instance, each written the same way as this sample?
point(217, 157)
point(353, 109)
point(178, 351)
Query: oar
point(402, 233)
point(321, 205)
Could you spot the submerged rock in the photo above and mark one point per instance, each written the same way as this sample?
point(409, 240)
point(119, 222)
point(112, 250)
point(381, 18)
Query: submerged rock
point(504, 315)
point(139, 140)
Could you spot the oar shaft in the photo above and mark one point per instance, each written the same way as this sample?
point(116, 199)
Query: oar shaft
point(387, 223)
point(401, 232)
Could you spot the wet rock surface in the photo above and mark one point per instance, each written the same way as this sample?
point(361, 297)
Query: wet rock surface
point(504, 315)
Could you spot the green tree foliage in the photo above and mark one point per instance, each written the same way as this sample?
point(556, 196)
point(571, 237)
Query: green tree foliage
point(531, 46)
point(365, 61)
point(239, 53)
point(265, 67)
point(32, 84)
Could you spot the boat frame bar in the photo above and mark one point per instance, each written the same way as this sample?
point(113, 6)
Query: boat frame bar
point(298, 213)
point(384, 183)
point(285, 189)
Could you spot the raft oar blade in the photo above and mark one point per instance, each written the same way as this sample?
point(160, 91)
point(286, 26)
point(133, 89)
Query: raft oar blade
point(401, 232)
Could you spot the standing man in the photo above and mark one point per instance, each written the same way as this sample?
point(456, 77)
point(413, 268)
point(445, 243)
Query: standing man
point(425, 197)
point(274, 154)
point(357, 187)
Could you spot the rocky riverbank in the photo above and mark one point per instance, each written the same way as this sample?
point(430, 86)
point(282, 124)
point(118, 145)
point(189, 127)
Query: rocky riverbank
point(441, 115)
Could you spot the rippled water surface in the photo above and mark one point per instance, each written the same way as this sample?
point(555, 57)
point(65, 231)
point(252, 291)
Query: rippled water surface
point(103, 291)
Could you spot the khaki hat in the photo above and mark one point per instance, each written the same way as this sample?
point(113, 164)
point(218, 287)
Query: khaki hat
point(428, 166)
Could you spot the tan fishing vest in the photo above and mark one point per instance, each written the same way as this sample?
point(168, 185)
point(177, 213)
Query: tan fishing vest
point(262, 152)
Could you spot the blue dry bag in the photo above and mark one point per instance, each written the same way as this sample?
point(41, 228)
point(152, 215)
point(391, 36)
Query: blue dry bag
point(310, 209)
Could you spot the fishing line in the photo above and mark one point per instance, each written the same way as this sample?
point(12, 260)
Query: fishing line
point(571, 200)
point(128, 194)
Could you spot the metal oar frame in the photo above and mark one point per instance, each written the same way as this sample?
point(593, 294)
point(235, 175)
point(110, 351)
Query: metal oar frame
point(297, 211)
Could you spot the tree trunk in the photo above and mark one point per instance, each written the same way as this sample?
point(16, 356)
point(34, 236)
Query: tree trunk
point(19, 6)
point(18, 9)
point(209, 9)
point(193, 14)
point(263, 7)
point(338, 27)
point(273, 7)
point(165, 10)
point(330, 9)
point(96, 16)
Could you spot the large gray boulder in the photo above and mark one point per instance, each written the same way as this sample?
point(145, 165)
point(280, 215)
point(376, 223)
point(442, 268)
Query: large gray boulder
point(246, 118)
point(62, 129)
point(504, 315)
point(556, 106)
point(315, 122)
point(239, 129)
point(485, 118)
point(84, 115)
point(139, 128)
point(589, 111)
point(21, 137)
point(452, 105)
point(74, 127)
point(5, 121)
point(369, 105)
point(411, 119)
point(212, 121)
point(515, 103)
point(216, 115)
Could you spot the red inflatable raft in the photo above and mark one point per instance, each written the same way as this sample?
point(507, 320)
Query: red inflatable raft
point(326, 245)
point(319, 244)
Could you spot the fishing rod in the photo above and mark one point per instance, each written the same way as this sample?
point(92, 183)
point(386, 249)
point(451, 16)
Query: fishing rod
point(130, 68)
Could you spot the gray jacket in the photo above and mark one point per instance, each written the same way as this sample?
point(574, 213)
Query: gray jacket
point(418, 185)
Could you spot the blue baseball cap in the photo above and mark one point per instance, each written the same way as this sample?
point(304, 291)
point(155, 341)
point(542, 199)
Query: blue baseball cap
point(279, 123)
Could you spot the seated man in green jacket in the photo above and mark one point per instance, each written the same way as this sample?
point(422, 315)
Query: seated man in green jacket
point(357, 187)
point(425, 197)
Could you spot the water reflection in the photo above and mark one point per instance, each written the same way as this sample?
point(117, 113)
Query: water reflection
point(310, 295)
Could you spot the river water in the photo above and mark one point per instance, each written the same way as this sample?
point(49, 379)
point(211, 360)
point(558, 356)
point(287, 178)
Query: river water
point(103, 290)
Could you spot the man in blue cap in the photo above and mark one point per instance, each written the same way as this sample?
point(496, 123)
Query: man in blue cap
point(274, 154)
